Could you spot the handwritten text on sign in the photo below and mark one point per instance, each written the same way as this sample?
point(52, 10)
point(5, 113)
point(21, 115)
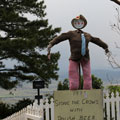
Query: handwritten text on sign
point(78, 105)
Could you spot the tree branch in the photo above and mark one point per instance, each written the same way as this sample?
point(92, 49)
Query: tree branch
point(116, 1)
point(7, 70)
point(1, 58)
point(114, 64)
point(117, 45)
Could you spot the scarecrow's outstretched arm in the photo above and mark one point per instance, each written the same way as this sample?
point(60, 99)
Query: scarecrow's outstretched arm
point(116, 1)
point(100, 43)
point(56, 40)
point(60, 38)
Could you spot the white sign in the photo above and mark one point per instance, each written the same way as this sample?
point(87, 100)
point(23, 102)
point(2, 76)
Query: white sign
point(78, 105)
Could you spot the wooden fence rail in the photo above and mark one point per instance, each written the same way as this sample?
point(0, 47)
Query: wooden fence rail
point(111, 106)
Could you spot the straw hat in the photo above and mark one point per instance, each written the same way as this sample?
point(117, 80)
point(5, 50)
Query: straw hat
point(81, 20)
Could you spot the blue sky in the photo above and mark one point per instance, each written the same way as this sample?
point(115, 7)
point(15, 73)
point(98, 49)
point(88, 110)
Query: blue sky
point(100, 15)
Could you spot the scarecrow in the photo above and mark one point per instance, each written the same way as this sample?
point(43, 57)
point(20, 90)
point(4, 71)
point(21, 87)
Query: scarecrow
point(78, 41)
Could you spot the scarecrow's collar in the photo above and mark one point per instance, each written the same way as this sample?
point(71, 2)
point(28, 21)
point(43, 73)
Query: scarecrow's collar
point(79, 31)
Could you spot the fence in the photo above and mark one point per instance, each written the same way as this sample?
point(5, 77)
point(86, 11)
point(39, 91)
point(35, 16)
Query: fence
point(111, 106)
point(45, 111)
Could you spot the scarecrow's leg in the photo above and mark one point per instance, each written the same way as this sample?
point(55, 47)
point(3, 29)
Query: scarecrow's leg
point(87, 80)
point(80, 87)
point(73, 75)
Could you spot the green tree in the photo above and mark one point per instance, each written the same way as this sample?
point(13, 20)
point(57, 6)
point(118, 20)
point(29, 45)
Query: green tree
point(114, 89)
point(22, 41)
point(96, 83)
point(63, 85)
point(7, 110)
point(60, 86)
point(21, 104)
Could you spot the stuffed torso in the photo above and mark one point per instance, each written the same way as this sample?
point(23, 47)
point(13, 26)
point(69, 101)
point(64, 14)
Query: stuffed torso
point(75, 45)
point(75, 42)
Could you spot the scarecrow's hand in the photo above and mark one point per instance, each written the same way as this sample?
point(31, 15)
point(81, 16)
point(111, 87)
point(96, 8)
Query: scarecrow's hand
point(49, 56)
point(49, 49)
point(107, 51)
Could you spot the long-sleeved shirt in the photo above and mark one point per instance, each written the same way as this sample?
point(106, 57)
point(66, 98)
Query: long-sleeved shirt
point(75, 42)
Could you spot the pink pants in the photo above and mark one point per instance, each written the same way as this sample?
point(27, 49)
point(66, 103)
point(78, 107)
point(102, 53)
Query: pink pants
point(74, 75)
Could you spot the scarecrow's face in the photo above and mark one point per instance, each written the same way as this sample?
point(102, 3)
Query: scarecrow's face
point(78, 23)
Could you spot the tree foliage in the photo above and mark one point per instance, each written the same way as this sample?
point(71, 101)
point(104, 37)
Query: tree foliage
point(63, 85)
point(96, 83)
point(114, 89)
point(7, 110)
point(22, 40)
point(4, 110)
